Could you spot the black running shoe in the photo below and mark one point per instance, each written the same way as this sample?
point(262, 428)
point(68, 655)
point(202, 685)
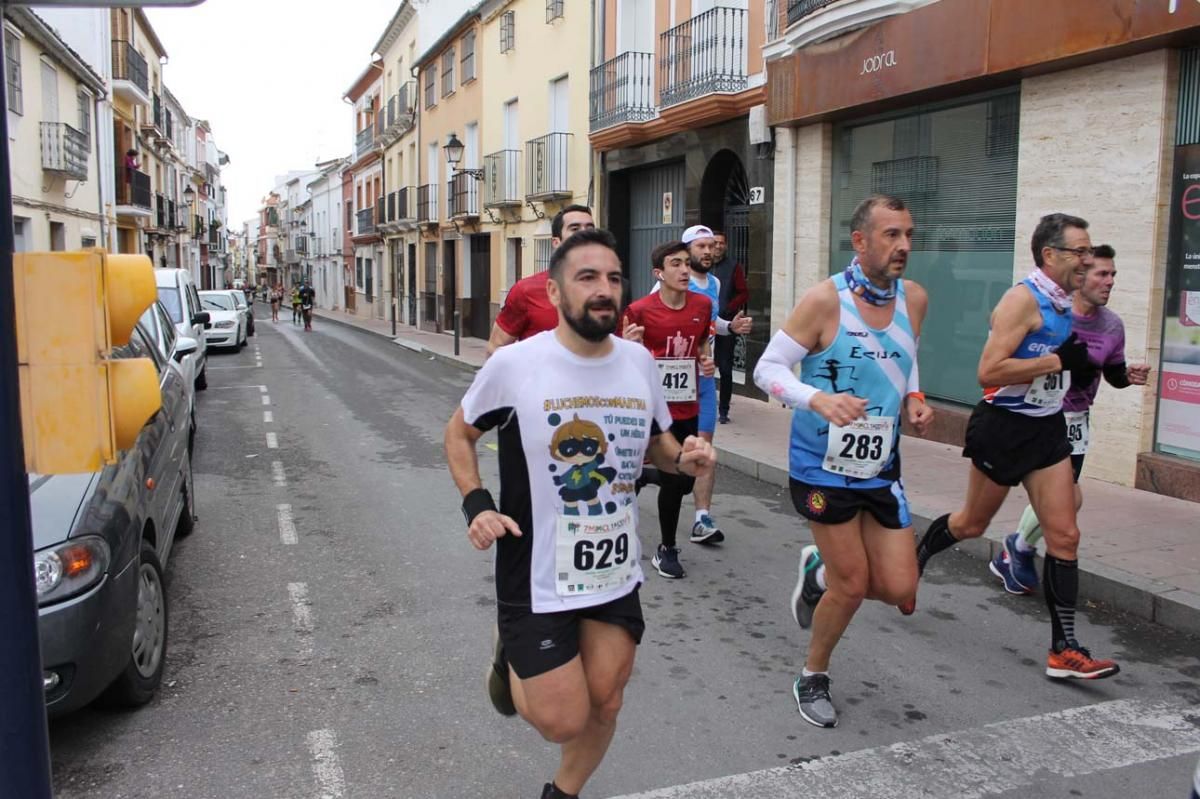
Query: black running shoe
point(551, 791)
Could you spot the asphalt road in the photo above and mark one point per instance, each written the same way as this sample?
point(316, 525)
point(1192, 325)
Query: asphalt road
point(330, 629)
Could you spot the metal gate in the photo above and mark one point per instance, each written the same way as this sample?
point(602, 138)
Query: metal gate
point(656, 207)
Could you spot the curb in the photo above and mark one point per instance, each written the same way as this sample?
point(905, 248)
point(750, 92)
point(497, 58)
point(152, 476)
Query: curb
point(411, 346)
point(1141, 597)
point(1144, 598)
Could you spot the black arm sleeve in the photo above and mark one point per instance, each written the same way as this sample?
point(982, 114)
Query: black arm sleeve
point(1116, 375)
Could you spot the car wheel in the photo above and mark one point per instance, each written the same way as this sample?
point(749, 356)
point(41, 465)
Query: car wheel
point(138, 683)
point(187, 516)
point(202, 380)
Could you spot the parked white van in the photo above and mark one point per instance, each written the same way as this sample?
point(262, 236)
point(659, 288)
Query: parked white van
point(177, 293)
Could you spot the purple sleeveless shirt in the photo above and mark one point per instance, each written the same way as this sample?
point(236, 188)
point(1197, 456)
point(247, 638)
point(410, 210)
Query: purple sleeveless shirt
point(1104, 334)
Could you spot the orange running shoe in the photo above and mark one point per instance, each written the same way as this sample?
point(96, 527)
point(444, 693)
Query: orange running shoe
point(1075, 662)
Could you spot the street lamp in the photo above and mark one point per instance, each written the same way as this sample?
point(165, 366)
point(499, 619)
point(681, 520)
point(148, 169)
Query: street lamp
point(189, 194)
point(454, 154)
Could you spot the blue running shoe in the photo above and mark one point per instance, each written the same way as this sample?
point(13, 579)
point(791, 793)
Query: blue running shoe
point(999, 567)
point(1020, 564)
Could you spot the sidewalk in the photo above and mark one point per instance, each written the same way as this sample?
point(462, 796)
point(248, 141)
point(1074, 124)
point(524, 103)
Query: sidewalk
point(1140, 551)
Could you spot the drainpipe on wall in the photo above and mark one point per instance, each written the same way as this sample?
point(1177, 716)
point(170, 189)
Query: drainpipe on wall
point(96, 101)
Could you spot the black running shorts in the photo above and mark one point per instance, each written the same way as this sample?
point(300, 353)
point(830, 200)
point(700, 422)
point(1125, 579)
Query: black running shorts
point(1006, 446)
point(1077, 465)
point(536, 643)
point(825, 505)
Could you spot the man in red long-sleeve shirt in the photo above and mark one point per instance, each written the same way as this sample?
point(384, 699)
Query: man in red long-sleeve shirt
point(734, 297)
point(527, 309)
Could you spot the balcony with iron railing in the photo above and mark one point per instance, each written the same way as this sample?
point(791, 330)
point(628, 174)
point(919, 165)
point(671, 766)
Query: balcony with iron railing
point(406, 205)
point(546, 162)
point(364, 221)
point(501, 175)
point(703, 55)
point(302, 245)
point(173, 221)
point(161, 217)
point(462, 198)
point(799, 9)
point(153, 123)
point(364, 141)
point(622, 90)
point(133, 193)
point(214, 238)
point(64, 150)
point(131, 74)
point(427, 203)
point(397, 113)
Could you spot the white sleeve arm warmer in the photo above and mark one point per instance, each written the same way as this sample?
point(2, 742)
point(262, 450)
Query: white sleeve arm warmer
point(722, 327)
point(774, 374)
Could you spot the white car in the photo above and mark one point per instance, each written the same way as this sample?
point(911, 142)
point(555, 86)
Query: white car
point(228, 327)
point(177, 293)
point(239, 297)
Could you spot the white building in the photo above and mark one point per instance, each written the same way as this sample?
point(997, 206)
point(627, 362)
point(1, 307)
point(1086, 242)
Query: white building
point(53, 98)
point(327, 224)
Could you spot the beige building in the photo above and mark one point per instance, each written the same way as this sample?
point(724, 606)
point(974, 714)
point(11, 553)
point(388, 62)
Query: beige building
point(453, 252)
point(52, 102)
point(137, 56)
point(1018, 119)
point(396, 135)
point(534, 61)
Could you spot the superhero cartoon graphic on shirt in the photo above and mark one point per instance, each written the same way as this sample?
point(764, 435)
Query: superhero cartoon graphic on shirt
point(581, 444)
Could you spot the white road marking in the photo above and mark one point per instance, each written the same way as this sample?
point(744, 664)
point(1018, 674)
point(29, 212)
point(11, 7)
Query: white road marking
point(277, 473)
point(272, 441)
point(287, 527)
point(331, 783)
point(262, 389)
point(268, 417)
point(302, 616)
point(985, 761)
point(266, 399)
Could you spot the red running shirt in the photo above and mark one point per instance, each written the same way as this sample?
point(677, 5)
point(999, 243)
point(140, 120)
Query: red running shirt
point(674, 333)
point(527, 310)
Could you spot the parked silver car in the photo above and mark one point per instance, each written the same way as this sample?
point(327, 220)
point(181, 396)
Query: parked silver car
point(101, 544)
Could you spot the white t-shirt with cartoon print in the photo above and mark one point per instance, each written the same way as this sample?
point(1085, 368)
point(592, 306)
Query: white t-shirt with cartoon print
point(573, 434)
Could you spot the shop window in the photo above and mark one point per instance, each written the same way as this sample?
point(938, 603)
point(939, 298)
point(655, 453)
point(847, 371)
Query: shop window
point(955, 167)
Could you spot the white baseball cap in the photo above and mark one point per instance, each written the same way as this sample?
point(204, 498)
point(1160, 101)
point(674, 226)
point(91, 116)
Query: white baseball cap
point(696, 232)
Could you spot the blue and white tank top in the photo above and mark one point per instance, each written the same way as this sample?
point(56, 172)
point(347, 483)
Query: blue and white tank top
point(864, 362)
point(1056, 326)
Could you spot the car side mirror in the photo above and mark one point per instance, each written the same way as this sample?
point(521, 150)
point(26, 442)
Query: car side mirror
point(185, 346)
point(202, 318)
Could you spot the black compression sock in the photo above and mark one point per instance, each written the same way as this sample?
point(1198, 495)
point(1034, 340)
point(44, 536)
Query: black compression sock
point(1061, 578)
point(937, 538)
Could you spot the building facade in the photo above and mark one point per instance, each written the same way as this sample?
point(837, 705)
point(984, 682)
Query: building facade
point(985, 115)
point(677, 119)
point(366, 177)
point(396, 129)
point(53, 101)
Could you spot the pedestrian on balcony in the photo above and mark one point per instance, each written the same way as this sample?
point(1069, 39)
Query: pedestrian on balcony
point(131, 165)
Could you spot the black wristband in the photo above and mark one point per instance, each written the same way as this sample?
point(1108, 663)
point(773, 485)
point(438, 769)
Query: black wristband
point(475, 503)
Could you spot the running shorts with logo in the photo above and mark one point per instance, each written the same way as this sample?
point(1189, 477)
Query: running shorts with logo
point(1017, 429)
point(535, 643)
point(572, 433)
point(828, 505)
point(836, 472)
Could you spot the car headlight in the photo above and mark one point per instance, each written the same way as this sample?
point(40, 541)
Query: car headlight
point(69, 568)
point(225, 325)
